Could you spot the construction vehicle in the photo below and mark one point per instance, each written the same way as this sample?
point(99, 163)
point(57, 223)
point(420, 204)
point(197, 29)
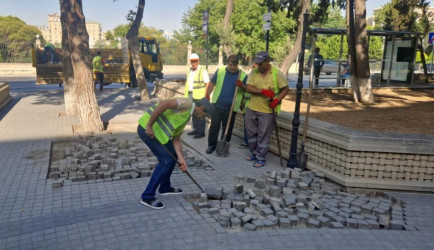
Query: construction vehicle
point(118, 65)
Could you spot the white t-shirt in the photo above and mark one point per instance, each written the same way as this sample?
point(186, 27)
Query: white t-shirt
point(205, 77)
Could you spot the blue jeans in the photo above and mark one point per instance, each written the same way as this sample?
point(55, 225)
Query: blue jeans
point(163, 170)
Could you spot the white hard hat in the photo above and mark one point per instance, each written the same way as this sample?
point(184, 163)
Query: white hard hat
point(194, 56)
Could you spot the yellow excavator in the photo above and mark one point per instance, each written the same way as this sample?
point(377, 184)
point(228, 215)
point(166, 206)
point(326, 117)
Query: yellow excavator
point(118, 65)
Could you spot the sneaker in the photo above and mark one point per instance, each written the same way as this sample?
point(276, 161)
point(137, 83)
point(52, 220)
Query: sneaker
point(194, 132)
point(197, 136)
point(152, 203)
point(243, 145)
point(172, 191)
point(210, 149)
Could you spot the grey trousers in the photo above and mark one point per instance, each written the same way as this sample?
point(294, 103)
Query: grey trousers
point(259, 129)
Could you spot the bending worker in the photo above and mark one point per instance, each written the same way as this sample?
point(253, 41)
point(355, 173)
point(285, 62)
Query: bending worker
point(223, 83)
point(267, 86)
point(161, 126)
point(195, 88)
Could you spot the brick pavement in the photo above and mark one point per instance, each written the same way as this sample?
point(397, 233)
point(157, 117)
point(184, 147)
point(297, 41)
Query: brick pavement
point(108, 215)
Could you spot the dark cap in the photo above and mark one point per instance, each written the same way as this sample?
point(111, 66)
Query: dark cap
point(261, 56)
point(209, 107)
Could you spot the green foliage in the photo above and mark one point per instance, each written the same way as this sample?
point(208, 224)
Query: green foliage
point(246, 21)
point(18, 38)
point(121, 31)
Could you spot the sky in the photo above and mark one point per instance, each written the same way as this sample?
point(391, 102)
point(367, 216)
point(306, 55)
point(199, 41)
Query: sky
point(161, 14)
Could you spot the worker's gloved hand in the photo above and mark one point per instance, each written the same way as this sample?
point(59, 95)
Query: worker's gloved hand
point(273, 104)
point(149, 132)
point(207, 97)
point(239, 83)
point(267, 93)
point(183, 166)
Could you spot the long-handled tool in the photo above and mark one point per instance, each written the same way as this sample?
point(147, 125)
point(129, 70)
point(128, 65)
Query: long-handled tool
point(174, 158)
point(302, 156)
point(222, 148)
point(276, 129)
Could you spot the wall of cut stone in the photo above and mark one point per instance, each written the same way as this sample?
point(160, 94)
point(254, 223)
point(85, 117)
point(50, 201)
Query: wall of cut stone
point(351, 158)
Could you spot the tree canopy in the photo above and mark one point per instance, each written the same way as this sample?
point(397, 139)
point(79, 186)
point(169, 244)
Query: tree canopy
point(18, 38)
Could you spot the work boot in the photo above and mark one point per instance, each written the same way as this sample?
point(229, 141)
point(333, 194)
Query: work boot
point(210, 149)
point(197, 136)
point(194, 132)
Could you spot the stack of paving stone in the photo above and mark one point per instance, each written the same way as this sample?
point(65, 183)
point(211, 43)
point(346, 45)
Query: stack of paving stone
point(295, 199)
point(98, 159)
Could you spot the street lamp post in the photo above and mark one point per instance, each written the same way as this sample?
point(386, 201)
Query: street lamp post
point(268, 31)
point(292, 163)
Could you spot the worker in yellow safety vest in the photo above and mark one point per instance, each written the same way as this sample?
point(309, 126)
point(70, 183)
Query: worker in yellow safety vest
point(195, 88)
point(267, 86)
point(98, 69)
point(160, 128)
point(222, 87)
point(49, 48)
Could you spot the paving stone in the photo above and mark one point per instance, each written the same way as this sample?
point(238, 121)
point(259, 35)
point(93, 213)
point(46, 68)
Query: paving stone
point(351, 223)
point(260, 184)
point(269, 224)
point(250, 227)
point(356, 209)
point(272, 218)
point(250, 180)
point(134, 174)
point(335, 224)
point(249, 210)
point(57, 184)
point(303, 216)
point(363, 224)
point(373, 224)
point(246, 218)
point(282, 214)
point(396, 225)
point(213, 210)
point(281, 183)
point(238, 188)
point(274, 191)
point(251, 193)
point(357, 216)
point(239, 205)
point(294, 220)
point(312, 223)
point(330, 214)
point(410, 228)
point(338, 219)
point(302, 185)
point(235, 222)
point(284, 223)
point(266, 212)
point(324, 221)
point(259, 224)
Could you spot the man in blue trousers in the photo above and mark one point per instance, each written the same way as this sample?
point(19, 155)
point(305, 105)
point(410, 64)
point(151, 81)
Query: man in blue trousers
point(161, 126)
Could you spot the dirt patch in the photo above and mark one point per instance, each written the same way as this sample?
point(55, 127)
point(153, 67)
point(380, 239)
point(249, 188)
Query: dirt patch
point(399, 110)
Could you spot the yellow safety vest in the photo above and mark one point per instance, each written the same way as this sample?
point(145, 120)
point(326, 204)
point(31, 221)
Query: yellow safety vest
point(168, 125)
point(97, 64)
point(219, 84)
point(199, 86)
point(49, 45)
point(274, 71)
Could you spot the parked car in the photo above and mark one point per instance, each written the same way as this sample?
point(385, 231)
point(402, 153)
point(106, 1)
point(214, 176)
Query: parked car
point(329, 67)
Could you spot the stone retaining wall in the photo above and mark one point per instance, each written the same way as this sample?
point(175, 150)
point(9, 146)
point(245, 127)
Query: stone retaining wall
point(21, 69)
point(5, 96)
point(349, 157)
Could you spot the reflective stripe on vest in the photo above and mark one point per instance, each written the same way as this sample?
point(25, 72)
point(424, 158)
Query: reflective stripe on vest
point(166, 124)
point(198, 84)
point(274, 71)
point(97, 64)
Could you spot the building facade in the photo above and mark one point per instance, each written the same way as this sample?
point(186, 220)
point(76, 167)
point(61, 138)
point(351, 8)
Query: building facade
point(52, 32)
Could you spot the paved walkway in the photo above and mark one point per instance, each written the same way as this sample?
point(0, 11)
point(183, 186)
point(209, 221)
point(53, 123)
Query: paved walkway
point(108, 215)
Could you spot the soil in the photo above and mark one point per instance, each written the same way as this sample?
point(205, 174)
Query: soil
point(399, 110)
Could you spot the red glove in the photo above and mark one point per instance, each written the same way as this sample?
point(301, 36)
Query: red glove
point(207, 97)
point(239, 83)
point(273, 104)
point(267, 93)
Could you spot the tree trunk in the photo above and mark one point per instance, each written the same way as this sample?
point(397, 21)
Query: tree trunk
point(351, 50)
point(422, 57)
point(68, 73)
point(226, 26)
point(87, 105)
point(290, 59)
point(361, 46)
point(133, 45)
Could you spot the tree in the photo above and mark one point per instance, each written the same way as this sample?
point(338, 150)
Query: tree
point(71, 107)
point(361, 81)
point(226, 33)
point(17, 37)
point(133, 44)
point(84, 95)
point(303, 6)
